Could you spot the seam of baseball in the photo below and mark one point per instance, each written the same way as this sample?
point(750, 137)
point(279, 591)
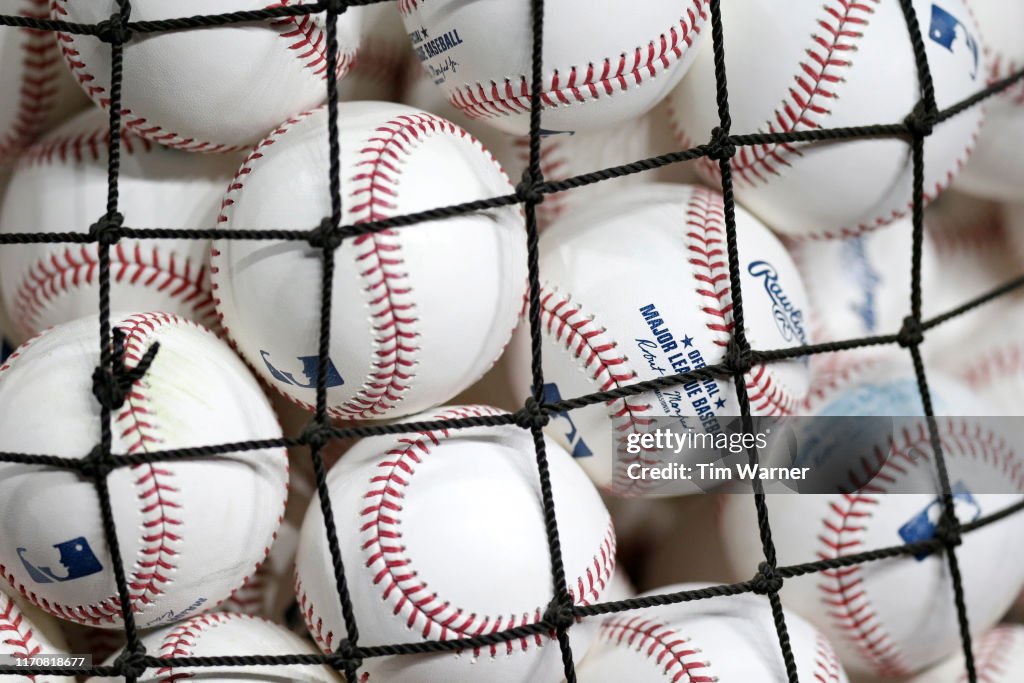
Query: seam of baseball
point(815, 84)
point(850, 609)
point(58, 273)
point(573, 84)
point(140, 126)
point(705, 242)
point(39, 59)
point(181, 641)
point(381, 266)
point(999, 68)
point(824, 388)
point(387, 555)
point(663, 644)
point(598, 354)
point(826, 663)
point(787, 119)
point(307, 32)
point(993, 654)
point(13, 621)
point(997, 364)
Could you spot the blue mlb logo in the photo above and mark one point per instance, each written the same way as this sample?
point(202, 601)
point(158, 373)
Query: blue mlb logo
point(952, 34)
point(924, 525)
point(563, 424)
point(75, 555)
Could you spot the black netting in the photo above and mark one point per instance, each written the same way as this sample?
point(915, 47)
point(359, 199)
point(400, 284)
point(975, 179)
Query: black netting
point(111, 378)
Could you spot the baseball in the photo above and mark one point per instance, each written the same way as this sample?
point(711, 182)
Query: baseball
point(896, 616)
point(995, 170)
point(26, 632)
point(667, 310)
point(827, 66)
point(60, 185)
point(725, 639)
point(210, 89)
point(225, 634)
point(37, 91)
point(603, 64)
point(191, 531)
point(998, 658)
point(415, 320)
point(442, 535)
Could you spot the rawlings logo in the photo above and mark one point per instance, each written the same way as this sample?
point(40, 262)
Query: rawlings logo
point(788, 318)
point(867, 279)
point(75, 555)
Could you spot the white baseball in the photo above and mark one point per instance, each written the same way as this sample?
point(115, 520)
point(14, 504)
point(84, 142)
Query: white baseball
point(381, 64)
point(25, 631)
point(827, 65)
point(665, 309)
point(225, 634)
point(420, 313)
point(208, 89)
point(603, 65)
point(998, 658)
point(896, 616)
point(60, 185)
point(442, 535)
point(994, 170)
point(725, 639)
point(36, 91)
point(191, 531)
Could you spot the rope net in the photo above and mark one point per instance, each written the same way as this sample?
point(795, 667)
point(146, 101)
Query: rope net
point(111, 378)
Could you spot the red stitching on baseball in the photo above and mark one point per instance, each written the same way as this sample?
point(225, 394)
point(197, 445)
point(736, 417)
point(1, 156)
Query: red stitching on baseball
point(992, 654)
point(998, 364)
point(817, 81)
point(678, 658)
point(35, 99)
point(306, 43)
point(181, 641)
point(54, 274)
point(705, 236)
point(574, 84)
point(850, 608)
point(428, 613)
point(566, 324)
point(827, 668)
point(16, 631)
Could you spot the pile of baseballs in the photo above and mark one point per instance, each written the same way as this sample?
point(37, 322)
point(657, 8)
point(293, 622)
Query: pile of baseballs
point(441, 532)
